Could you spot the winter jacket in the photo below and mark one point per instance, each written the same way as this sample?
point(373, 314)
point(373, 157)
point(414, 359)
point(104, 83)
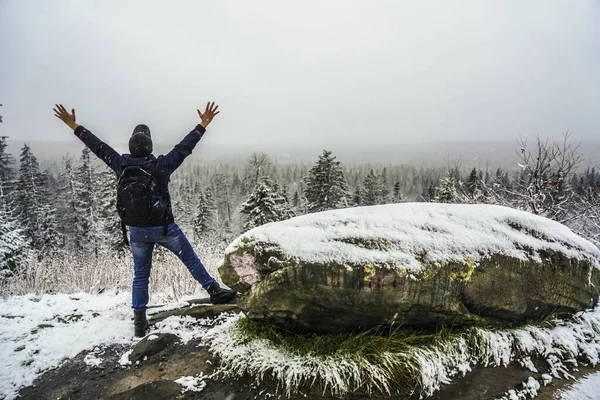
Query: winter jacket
point(164, 166)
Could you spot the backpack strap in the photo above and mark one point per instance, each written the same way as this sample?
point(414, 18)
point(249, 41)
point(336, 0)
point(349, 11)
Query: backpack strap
point(166, 224)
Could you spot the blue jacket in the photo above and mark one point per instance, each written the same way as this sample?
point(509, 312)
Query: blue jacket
point(164, 166)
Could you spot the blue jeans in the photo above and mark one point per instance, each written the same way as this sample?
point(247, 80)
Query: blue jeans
point(142, 244)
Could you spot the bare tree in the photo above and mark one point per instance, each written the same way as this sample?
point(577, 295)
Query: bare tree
point(544, 186)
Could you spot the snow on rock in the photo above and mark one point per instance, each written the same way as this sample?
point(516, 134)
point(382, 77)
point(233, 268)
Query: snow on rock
point(587, 388)
point(38, 332)
point(186, 328)
point(191, 383)
point(168, 307)
point(445, 232)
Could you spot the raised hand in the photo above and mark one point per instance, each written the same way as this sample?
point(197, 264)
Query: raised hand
point(61, 113)
point(208, 114)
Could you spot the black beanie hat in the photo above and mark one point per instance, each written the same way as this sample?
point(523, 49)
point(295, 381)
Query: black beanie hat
point(140, 143)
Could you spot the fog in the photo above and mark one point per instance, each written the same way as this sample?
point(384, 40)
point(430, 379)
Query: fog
point(292, 77)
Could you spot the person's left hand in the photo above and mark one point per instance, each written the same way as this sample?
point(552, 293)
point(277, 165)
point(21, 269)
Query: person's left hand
point(61, 113)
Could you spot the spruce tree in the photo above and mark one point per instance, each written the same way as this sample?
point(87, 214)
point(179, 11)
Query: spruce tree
point(446, 191)
point(356, 198)
point(398, 197)
point(473, 183)
point(110, 231)
point(50, 234)
point(67, 208)
point(374, 190)
point(326, 186)
point(296, 199)
point(184, 206)
point(7, 168)
point(34, 204)
point(13, 243)
point(89, 229)
point(264, 205)
point(203, 217)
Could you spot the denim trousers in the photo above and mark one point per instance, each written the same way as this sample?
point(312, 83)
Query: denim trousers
point(142, 241)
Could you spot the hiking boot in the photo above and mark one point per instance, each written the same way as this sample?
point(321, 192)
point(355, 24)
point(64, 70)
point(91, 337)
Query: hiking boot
point(219, 295)
point(140, 323)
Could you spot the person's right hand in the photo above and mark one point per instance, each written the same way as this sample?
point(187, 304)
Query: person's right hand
point(61, 113)
point(209, 114)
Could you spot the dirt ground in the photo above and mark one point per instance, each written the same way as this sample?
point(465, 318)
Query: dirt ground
point(75, 380)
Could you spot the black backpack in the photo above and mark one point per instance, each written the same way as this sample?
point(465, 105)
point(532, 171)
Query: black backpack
point(139, 202)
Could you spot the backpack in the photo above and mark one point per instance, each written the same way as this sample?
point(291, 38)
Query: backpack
point(139, 202)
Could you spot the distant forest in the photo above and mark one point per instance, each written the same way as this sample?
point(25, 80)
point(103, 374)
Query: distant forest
point(72, 211)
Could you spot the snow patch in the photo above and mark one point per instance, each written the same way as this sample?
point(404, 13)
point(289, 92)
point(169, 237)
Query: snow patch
point(188, 328)
point(38, 332)
point(191, 383)
point(92, 359)
point(587, 388)
point(124, 360)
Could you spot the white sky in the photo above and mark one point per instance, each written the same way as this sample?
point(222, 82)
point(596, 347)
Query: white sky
point(358, 72)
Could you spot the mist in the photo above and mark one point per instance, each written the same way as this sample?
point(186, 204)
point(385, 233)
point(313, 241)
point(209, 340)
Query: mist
point(290, 77)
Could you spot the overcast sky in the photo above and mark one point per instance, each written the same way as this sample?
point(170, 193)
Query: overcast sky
point(319, 72)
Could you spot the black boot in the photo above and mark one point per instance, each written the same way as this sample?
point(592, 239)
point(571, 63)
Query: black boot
point(219, 295)
point(140, 323)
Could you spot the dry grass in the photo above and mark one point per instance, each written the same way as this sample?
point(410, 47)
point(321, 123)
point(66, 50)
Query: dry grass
point(94, 273)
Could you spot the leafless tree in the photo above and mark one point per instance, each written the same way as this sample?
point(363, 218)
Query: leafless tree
point(544, 184)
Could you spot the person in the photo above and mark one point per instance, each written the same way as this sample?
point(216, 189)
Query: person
point(165, 233)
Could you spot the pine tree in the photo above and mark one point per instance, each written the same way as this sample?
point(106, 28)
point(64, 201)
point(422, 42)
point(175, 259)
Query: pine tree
point(296, 199)
point(7, 167)
point(88, 229)
point(34, 205)
point(384, 176)
point(50, 235)
point(398, 197)
point(110, 232)
point(374, 190)
point(222, 200)
point(184, 206)
point(67, 207)
point(264, 205)
point(13, 243)
point(356, 197)
point(446, 191)
point(326, 187)
point(473, 183)
point(203, 217)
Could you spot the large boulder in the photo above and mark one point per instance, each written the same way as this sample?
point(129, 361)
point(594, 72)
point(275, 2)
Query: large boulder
point(416, 264)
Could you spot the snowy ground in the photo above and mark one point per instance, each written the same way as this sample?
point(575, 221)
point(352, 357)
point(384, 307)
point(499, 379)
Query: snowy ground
point(587, 388)
point(38, 332)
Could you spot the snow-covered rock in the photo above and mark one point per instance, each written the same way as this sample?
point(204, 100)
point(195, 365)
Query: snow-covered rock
point(419, 264)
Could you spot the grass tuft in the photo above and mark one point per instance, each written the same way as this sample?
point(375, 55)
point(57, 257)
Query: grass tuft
point(399, 361)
